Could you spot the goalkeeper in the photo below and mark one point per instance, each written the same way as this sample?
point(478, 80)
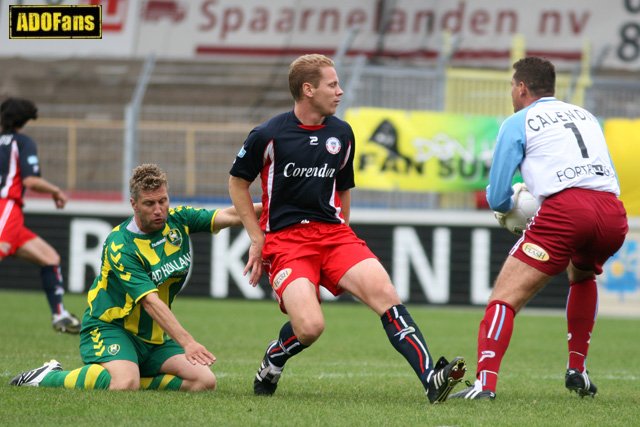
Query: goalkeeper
point(563, 157)
point(130, 339)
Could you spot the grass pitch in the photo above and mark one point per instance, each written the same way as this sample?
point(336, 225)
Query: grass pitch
point(350, 377)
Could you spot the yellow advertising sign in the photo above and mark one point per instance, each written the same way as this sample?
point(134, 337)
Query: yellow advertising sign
point(400, 150)
point(623, 139)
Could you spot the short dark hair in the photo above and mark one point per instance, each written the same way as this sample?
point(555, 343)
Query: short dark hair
point(538, 74)
point(15, 112)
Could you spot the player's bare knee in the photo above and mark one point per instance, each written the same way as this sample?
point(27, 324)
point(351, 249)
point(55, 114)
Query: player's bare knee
point(207, 383)
point(124, 384)
point(211, 383)
point(5, 247)
point(389, 294)
point(52, 258)
point(309, 331)
point(201, 383)
point(383, 299)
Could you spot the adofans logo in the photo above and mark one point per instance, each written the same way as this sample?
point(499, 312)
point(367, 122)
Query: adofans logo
point(55, 22)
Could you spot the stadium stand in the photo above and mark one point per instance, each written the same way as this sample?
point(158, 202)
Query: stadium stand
point(195, 114)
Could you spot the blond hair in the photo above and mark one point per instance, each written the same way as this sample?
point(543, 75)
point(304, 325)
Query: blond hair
point(306, 69)
point(146, 177)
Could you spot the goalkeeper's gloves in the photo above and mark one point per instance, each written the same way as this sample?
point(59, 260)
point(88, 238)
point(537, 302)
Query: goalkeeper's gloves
point(501, 216)
point(517, 188)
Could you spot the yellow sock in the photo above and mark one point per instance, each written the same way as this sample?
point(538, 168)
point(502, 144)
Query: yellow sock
point(89, 377)
point(161, 382)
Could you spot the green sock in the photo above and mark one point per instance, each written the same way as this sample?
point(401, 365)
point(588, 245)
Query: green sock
point(161, 382)
point(89, 377)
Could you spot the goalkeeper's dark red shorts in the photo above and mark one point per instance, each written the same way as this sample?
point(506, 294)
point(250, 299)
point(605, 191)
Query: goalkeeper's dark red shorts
point(320, 252)
point(13, 233)
point(583, 226)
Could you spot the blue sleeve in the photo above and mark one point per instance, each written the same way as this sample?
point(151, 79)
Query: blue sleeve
point(507, 157)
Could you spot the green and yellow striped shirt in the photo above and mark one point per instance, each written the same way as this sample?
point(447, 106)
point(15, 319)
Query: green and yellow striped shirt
point(134, 265)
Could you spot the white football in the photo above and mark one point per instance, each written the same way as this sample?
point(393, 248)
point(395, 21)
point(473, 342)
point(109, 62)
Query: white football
point(517, 219)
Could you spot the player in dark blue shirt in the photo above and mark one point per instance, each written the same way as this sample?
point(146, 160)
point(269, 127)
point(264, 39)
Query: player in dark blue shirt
point(314, 163)
point(303, 240)
point(19, 170)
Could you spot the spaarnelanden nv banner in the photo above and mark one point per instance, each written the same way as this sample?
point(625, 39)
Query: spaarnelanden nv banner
point(219, 29)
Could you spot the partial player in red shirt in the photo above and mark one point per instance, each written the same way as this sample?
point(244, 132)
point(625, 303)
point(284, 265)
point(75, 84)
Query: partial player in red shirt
point(20, 170)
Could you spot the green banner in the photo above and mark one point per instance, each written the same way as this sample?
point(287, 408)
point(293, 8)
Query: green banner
point(421, 150)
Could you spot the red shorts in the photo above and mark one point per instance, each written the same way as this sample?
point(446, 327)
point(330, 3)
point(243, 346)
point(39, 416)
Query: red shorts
point(583, 226)
point(320, 252)
point(13, 233)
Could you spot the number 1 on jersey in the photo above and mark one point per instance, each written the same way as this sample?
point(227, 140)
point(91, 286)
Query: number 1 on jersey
point(576, 132)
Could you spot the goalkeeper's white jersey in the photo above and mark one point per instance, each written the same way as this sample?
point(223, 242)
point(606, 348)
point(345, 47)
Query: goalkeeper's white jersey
point(556, 145)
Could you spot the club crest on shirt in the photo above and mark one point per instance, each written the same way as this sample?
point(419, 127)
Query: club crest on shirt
point(333, 145)
point(174, 237)
point(114, 349)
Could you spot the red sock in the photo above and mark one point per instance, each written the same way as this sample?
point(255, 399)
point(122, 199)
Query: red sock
point(582, 307)
point(493, 340)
